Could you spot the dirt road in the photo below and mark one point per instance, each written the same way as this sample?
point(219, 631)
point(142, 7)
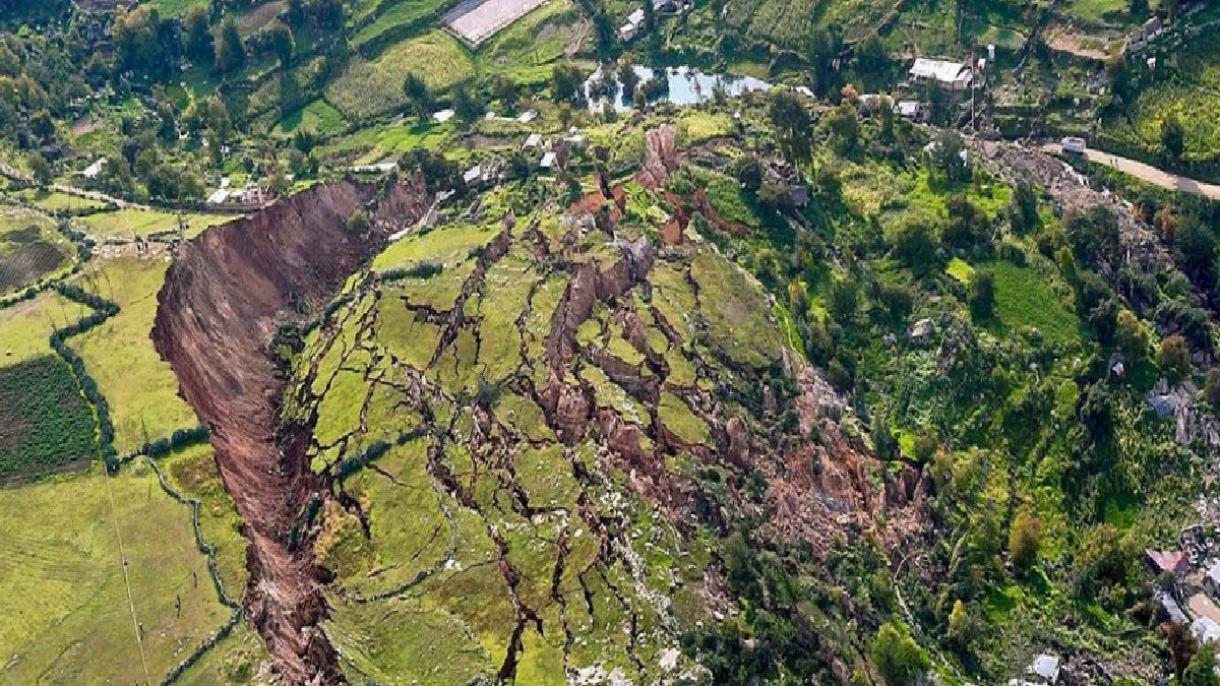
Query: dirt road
point(1145, 172)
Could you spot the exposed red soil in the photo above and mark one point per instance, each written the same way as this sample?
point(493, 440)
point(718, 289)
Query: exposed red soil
point(224, 297)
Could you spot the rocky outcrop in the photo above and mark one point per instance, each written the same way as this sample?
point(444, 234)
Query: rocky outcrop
point(224, 298)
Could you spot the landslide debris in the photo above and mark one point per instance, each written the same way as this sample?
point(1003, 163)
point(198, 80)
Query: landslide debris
point(535, 442)
point(225, 296)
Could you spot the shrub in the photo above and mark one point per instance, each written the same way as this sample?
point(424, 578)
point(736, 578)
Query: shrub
point(898, 657)
point(981, 296)
point(1173, 357)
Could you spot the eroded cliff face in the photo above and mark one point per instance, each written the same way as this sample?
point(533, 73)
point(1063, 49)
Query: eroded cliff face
point(224, 298)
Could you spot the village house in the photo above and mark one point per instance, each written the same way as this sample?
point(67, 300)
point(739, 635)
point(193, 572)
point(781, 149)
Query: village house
point(952, 75)
point(1167, 562)
point(1211, 580)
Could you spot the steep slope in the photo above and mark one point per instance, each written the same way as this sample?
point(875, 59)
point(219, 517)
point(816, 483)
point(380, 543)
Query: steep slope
point(223, 300)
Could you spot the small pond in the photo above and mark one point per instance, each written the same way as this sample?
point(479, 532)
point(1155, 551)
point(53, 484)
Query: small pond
point(683, 86)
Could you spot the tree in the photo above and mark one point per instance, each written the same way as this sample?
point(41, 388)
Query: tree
point(748, 171)
point(604, 33)
point(419, 98)
point(968, 225)
point(962, 628)
point(1024, 540)
point(981, 295)
point(627, 77)
point(1173, 137)
point(843, 123)
point(230, 51)
point(1211, 388)
point(1023, 208)
point(792, 123)
point(948, 156)
point(1202, 668)
point(197, 34)
point(1130, 334)
point(872, 56)
point(1182, 647)
point(41, 168)
point(282, 42)
point(358, 224)
point(898, 657)
point(1173, 357)
point(1194, 246)
point(504, 89)
point(915, 245)
point(567, 84)
point(465, 105)
point(43, 125)
point(1138, 8)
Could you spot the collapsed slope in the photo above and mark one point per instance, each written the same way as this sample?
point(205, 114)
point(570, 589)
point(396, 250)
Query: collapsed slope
point(540, 429)
point(224, 298)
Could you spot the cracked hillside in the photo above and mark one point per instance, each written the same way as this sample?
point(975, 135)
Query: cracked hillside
point(534, 431)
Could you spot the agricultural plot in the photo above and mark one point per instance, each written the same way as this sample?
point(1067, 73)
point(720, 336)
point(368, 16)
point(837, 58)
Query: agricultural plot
point(45, 423)
point(130, 223)
point(30, 248)
point(54, 201)
point(101, 577)
point(140, 387)
point(319, 117)
point(1192, 95)
point(391, 15)
point(474, 21)
point(370, 87)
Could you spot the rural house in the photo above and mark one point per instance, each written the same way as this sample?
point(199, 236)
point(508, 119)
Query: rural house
point(952, 75)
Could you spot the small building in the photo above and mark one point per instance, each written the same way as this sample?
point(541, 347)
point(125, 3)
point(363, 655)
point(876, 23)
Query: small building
point(799, 195)
point(909, 109)
point(1046, 668)
point(1167, 561)
point(1170, 611)
point(527, 116)
point(548, 160)
point(1164, 405)
point(218, 197)
point(627, 32)
point(922, 330)
point(1211, 580)
point(665, 5)
point(532, 141)
point(473, 174)
point(443, 116)
point(94, 169)
point(1205, 630)
point(953, 75)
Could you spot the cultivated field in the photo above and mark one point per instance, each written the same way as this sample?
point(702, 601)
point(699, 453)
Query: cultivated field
point(30, 248)
point(45, 423)
point(25, 327)
point(474, 21)
point(371, 87)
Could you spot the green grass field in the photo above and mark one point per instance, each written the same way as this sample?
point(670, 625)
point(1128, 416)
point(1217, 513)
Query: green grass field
point(140, 387)
point(1024, 298)
point(54, 201)
point(370, 87)
point(393, 14)
point(89, 553)
point(25, 327)
point(319, 117)
point(133, 222)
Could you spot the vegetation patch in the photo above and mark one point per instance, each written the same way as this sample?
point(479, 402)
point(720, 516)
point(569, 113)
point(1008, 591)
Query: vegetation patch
point(45, 423)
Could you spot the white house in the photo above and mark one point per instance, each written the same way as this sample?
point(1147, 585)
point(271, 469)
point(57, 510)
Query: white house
point(444, 115)
point(953, 75)
point(1046, 668)
point(94, 169)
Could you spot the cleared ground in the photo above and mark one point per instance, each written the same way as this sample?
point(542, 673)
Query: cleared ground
point(477, 20)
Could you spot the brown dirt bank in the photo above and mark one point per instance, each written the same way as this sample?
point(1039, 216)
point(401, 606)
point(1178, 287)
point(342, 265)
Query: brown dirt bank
point(223, 300)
